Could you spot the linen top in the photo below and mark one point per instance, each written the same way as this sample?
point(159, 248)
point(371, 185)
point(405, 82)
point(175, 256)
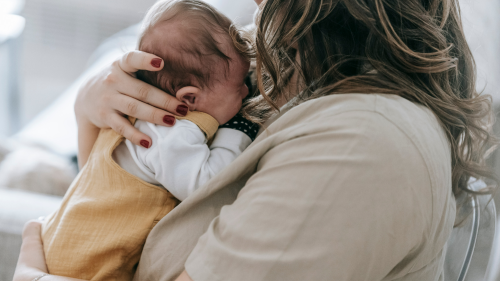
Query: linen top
point(343, 187)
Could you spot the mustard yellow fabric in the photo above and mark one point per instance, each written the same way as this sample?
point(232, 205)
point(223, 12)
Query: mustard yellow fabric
point(100, 229)
point(205, 122)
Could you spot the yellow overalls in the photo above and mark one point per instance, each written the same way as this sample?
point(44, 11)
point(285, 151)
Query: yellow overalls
point(100, 229)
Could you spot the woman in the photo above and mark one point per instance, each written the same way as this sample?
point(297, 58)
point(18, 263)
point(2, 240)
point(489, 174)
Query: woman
point(355, 178)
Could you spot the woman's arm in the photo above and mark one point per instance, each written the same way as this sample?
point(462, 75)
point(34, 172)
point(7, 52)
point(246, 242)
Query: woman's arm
point(31, 263)
point(87, 135)
point(114, 92)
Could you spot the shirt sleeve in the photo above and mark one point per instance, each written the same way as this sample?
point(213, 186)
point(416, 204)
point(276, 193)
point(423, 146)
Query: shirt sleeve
point(321, 206)
point(181, 160)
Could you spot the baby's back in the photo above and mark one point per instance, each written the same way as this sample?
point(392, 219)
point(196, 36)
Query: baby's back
point(100, 229)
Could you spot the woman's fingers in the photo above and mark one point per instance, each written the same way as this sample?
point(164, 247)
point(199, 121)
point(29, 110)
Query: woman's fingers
point(132, 107)
point(137, 60)
point(123, 127)
point(32, 229)
point(151, 95)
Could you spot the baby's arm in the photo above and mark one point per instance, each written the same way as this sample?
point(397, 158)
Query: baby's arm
point(181, 160)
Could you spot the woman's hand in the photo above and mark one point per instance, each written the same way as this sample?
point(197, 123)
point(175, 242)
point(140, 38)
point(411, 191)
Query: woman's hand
point(114, 92)
point(31, 261)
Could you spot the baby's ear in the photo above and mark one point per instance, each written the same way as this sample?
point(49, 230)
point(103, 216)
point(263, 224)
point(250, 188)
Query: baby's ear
point(188, 95)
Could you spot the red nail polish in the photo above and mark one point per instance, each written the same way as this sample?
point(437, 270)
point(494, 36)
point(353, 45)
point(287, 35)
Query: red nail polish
point(182, 109)
point(156, 62)
point(145, 143)
point(169, 120)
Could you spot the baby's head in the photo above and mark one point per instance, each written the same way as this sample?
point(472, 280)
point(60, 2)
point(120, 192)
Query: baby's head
point(204, 56)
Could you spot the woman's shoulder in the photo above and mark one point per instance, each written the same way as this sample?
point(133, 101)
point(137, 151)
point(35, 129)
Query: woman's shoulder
point(381, 152)
point(388, 113)
point(374, 110)
point(396, 144)
point(389, 125)
point(390, 106)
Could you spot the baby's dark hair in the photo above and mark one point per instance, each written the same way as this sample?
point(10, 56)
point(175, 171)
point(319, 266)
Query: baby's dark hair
point(197, 56)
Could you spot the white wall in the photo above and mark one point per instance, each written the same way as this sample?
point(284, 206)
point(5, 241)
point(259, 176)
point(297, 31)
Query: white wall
point(60, 36)
point(481, 20)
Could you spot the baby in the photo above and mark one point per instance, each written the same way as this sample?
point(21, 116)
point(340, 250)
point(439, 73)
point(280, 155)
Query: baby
point(124, 190)
point(204, 69)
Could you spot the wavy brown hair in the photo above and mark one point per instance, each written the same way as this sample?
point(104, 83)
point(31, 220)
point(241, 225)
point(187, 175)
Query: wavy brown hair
point(415, 49)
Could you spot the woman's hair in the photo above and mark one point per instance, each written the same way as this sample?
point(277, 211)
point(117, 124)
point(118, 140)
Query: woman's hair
point(197, 53)
point(415, 49)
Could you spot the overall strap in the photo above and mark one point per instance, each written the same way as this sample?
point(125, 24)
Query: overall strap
point(204, 121)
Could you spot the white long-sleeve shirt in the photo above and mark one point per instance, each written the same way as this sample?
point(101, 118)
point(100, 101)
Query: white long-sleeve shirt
point(179, 158)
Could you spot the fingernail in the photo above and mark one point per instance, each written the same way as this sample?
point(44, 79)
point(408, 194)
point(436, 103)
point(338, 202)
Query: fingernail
point(156, 62)
point(169, 120)
point(145, 143)
point(182, 109)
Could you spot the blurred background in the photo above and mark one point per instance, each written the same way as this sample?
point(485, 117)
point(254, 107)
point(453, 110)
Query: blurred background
point(48, 48)
point(58, 39)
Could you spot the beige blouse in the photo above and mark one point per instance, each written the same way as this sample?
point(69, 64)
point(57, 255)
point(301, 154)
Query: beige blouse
point(344, 187)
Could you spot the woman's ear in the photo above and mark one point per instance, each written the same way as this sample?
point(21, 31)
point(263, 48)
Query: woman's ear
point(188, 95)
